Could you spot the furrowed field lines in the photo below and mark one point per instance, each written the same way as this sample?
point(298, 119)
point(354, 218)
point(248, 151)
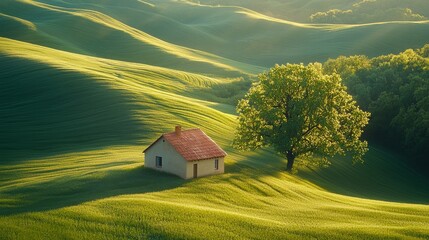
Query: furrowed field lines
point(239, 43)
point(85, 86)
point(97, 34)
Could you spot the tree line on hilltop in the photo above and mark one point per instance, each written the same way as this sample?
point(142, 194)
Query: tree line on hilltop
point(368, 11)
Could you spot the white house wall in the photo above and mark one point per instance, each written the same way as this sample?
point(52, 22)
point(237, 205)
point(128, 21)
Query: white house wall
point(205, 167)
point(172, 162)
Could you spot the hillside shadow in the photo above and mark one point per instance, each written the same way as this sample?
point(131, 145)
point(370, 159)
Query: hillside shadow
point(70, 192)
point(46, 110)
point(382, 177)
point(370, 188)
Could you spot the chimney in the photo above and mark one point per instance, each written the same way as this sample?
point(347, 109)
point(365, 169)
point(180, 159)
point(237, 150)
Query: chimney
point(178, 130)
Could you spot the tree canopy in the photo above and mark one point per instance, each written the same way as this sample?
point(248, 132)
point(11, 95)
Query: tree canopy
point(395, 89)
point(300, 111)
point(367, 11)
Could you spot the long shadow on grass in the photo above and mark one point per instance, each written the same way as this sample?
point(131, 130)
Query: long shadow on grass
point(382, 177)
point(260, 163)
point(69, 192)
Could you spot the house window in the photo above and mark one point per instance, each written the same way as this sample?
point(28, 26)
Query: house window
point(216, 164)
point(158, 162)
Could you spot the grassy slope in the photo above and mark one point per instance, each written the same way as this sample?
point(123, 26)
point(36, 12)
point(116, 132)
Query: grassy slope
point(297, 10)
point(229, 40)
point(243, 34)
point(261, 40)
point(75, 93)
point(100, 188)
point(75, 169)
point(93, 33)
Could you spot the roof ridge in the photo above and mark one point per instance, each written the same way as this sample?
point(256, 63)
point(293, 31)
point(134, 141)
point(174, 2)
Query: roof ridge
point(186, 130)
point(193, 144)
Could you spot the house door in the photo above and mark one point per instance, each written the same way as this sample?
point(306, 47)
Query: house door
point(195, 170)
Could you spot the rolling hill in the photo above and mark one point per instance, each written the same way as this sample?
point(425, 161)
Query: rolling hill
point(191, 38)
point(86, 85)
point(301, 11)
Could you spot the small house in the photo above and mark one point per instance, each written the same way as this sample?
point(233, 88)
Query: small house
point(185, 153)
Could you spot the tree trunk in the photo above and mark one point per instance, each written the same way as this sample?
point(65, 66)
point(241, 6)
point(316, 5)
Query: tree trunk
point(290, 160)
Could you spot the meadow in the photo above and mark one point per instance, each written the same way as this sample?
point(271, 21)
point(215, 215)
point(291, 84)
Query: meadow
point(85, 86)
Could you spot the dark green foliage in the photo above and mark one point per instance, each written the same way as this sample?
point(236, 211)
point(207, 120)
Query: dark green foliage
point(374, 11)
point(424, 51)
point(395, 89)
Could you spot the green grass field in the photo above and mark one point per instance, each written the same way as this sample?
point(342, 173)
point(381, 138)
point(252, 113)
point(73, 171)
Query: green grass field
point(85, 86)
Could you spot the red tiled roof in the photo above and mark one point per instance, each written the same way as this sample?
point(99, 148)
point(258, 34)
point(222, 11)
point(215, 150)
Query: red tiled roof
point(193, 144)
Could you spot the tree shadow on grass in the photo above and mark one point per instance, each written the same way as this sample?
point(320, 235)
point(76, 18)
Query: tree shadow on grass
point(259, 163)
point(382, 177)
point(69, 192)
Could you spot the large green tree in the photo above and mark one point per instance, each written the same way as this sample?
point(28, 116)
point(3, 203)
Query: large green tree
point(300, 111)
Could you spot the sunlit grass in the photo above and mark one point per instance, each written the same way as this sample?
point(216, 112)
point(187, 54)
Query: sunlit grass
point(73, 127)
point(136, 44)
point(103, 191)
point(220, 41)
point(242, 204)
point(10, 20)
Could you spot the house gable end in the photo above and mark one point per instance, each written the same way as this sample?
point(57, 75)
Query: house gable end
point(153, 143)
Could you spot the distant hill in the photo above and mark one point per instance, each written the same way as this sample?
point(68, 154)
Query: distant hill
point(226, 41)
point(293, 10)
point(333, 11)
